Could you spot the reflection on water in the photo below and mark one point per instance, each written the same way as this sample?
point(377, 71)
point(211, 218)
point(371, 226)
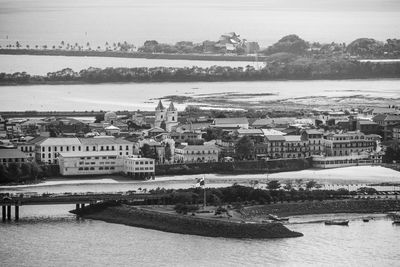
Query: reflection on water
point(49, 236)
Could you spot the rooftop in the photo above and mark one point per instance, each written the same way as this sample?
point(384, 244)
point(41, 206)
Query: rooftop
point(242, 120)
point(11, 153)
point(54, 141)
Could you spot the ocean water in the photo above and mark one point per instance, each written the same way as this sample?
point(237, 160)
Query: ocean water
point(50, 236)
point(98, 21)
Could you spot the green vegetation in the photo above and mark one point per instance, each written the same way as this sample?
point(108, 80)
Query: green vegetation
point(26, 172)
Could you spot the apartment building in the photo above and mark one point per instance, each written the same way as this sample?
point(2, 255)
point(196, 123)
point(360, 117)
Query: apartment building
point(138, 167)
point(315, 139)
point(295, 147)
point(344, 144)
point(196, 153)
point(90, 163)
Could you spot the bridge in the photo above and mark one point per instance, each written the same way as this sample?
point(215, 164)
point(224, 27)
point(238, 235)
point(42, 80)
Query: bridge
point(80, 200)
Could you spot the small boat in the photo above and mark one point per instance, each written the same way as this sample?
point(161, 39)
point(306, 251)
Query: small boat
point(337, 222)
point(365, 219)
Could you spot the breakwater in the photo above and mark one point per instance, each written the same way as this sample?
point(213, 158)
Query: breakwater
point(184, 224)
point(323, 207)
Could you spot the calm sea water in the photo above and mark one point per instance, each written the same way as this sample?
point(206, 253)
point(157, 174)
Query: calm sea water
point(51, 21)
point(50, 236)
point(133, 96)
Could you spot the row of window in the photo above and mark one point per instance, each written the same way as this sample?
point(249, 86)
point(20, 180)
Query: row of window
point(93, 168)
point(67, 148)
point(93, 163)
point(141, 168)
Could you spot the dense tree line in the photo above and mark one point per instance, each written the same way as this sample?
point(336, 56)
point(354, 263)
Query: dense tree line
point(302, 68)
point(238, 194)
point(25, 172)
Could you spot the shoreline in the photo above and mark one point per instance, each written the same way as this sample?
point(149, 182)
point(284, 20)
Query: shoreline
point(185, 224)
point(205, 57)
point(249, 222)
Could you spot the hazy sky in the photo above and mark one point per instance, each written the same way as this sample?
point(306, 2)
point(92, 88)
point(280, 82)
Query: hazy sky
point(97, 21)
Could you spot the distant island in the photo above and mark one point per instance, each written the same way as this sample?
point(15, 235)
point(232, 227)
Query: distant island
point(291, 58)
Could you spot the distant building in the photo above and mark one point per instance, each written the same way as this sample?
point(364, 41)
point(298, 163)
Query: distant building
point(231, 123)
point(315, 141)
point(12, 156)
point(167, 116)
point(367, 127)
point(110, 117)
point(196, 153)
point(296, 147)
point(387, 122)
point(138, 167)
point(345, 144)
point(90, 163)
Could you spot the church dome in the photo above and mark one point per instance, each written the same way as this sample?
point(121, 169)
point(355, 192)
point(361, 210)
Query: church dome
point(171, 107)
point(160, 106)
point(110, 116)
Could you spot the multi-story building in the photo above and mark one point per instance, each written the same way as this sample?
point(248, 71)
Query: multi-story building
point(345, 144)
point(186, 137)
point(315, 141)
point(138, 167)
point(296, 147)
point(387, 122)
point(47, 149)
point(12, 156)
point(231, 123)
point(396, 132)
point(367, 127)
point(275, 146)
point(90, 162)
point(121, 146)
point(196, 153)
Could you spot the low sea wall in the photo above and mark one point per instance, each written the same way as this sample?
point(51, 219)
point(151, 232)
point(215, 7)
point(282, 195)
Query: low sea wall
point(323, 207)
point(237, 167)
point(185, 224)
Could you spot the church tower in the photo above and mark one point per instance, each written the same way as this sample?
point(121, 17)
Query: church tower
point(172, 117)
point(161, 114)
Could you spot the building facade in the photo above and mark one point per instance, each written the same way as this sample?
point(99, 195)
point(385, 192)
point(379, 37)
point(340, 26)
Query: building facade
point(138, 167)
point(169, 116)
point(197, 153)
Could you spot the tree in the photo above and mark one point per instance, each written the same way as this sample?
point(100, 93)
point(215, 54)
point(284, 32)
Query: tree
point(273, 185)
point(311, 184)
point(244, 147)
point(168, 152)
point(147, 151)
point(99, 118)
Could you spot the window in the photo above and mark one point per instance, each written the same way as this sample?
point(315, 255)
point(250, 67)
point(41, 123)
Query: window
point(94, 148)
point(127, 153)
point(55, 149)
point(86, 168)
point(49, 155)
point(107, 148)
point(67, 148)
point(43, 149)
point(81, 169)
point(96, 157)
point(112, 147)
point(100, 168)
point(106, 168)
point(101, 148)
point(92, 168)
point(87, 148)
point(112, 168)
point(49, 149)
point(120, 147)
point(73, 148)
point(127, 147)
point(79, 148)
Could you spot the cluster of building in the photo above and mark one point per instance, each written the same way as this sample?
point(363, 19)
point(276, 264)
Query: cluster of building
point(135, 144)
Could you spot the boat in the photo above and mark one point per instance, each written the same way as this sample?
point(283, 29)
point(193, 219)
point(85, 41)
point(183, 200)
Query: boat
point(337, 222)
point(365, 219)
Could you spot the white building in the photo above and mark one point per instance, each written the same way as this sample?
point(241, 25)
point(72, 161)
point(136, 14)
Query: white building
point(47, 150)
point(90, 163)
point(139, 167)
point(197, 153)
point(231, 123)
